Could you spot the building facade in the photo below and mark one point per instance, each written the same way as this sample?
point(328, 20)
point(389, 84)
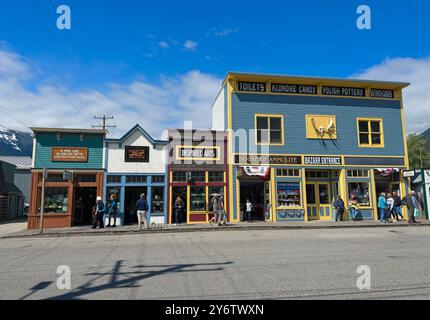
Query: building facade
point(72, 162)
point(197, 170)
point(136, 164)
point(22, 176)
point(11, 197)
point(295, 142)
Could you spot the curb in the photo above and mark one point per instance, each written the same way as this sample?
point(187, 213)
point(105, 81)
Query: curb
point(205, 229)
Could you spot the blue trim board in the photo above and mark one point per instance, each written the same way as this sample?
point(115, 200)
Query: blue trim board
point(137, 127)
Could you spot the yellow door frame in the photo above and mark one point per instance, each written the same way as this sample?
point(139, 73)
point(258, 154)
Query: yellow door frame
point(317, 204)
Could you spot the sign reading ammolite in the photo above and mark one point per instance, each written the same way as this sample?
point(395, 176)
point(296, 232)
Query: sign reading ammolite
point(268, 159)
point(69, 154)
point(323, 161)
point(198, 153)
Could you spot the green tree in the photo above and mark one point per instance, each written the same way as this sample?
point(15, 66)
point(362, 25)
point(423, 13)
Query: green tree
point(418, 153)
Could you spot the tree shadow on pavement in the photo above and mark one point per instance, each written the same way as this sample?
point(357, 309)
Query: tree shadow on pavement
point(130, 279)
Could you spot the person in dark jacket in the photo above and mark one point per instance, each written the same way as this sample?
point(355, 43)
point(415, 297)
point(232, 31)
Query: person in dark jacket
point(409, 202)
point(113, 210)
point(142, 211)
point(100, 211)
point(179, 209)
point(339, 208)
point(397, 207)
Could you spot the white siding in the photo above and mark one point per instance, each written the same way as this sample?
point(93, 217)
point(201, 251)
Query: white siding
point(218, 109)
point(116, 155)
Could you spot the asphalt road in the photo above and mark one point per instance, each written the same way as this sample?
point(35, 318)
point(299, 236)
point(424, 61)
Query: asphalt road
point(262, 264)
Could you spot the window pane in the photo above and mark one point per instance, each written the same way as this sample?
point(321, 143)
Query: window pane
point(157, 206)
point(158, 179)
point(56, 200)
point(324, 196)
point(360, 192)
point(275, 123)
point(364, 138)
point(198, 176)
point(198, 199)
point(216, 176)
point(263, 136)
point(275, 137)
point(376, 139)
point(85, 178)
point(310, 194)
point(114, 179)
point(375, 126)
point(363, 126)
point(262, 123)
point(288, 194)
point(179, 177)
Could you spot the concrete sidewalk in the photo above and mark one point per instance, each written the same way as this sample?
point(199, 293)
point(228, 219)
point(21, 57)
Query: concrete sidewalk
point(75, 231)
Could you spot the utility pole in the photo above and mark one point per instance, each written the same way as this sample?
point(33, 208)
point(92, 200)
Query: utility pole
point(421, 158)
point(104, 124)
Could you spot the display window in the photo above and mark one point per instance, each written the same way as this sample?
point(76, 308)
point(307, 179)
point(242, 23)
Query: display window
point(288, 194)
point(157, 201)
point(197, 199)
point(56, 200)
point(179, 176)
point(360, 191)
point(215, 176)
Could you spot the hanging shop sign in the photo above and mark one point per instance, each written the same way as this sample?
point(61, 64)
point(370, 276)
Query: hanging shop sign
point(323, 161)
point(69, 154)
point(382, 93)
point(197, 153)
point(409, 174)
point(136, 154)
point(257, 171)
point(251, 86)
point(343, 91)
point(268, 159)
point(293, 88)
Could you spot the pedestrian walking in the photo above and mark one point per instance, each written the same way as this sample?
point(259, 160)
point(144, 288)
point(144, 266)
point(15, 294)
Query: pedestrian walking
point(382, 208)
point(142, 212)
point(408, 201)
point(268, 210)
point(390, 208)
point(416, 203)
point(113, 210)
point(179, 209)
point(222, 213)
point(249, 209)
point(215, 209)
point(339, 208)
point(397, 206)
point(99, 213)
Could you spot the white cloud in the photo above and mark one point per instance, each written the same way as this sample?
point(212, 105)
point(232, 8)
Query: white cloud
point(166, 104)
point(163, 45)
point(190, 45)
point(416, 96)
point(224, 32)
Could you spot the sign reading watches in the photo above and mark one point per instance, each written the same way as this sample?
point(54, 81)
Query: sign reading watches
point(323, 161)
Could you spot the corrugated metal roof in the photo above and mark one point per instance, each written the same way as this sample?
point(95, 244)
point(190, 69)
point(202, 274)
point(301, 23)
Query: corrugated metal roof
point(22, 163)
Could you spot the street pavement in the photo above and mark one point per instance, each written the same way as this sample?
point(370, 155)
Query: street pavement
point(246, 264)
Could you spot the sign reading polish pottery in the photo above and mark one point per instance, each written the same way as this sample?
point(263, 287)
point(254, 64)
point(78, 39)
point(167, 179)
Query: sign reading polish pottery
point(197, 153)
point(136, 154)
point(293, 88)
point(382, 93)
point(323, 161)
point(343, 91)
point(251, 86)
point(69, 154)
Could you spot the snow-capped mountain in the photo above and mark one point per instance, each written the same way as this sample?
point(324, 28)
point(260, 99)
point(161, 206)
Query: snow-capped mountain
point(15, 143)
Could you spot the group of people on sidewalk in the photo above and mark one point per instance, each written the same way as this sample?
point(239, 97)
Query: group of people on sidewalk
point(390, 207)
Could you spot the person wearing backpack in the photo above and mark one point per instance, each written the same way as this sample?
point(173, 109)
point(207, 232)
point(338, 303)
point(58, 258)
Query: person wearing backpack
point(339, 208)
point(100, 211)
point(113, 210)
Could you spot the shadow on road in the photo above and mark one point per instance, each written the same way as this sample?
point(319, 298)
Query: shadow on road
point(130, 279)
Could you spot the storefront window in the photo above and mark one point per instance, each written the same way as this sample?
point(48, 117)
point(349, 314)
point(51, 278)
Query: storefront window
point(157, 201)
point(289, 194)
point(288, 173)
point(360, 190)
point(198, 176)
point(198, 199)
point(157, 179)
point(136, 179)
point(113, 179)
point(324, 194)
point(179, 176)
point(358, 173)
point(56, 200)
point(86, 178)
point(317, 174)
point(216, 176)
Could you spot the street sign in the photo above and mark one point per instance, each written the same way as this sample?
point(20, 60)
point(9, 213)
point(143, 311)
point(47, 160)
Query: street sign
point(409, 174)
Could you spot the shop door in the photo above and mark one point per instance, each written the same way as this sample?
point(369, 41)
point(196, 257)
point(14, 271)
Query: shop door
point(268, 205)
point(318, 201)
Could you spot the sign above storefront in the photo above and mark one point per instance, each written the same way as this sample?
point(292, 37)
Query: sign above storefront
point(343, 91)
point(197, 153)
point(69, 154)
point(268, 159)
point(409, 174)
point(382, 93)
point(251, 86)
point(136, 154)
point(293, 88)
point(323, 161)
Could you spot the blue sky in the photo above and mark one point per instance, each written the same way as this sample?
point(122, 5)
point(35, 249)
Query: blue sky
point(116, 47)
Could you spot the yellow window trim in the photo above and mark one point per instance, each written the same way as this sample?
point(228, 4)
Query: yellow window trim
point(370, 145)
point(261, 115)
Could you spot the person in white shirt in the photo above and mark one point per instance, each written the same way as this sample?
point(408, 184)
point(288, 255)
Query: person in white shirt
point(249, 209)
point(390, 207)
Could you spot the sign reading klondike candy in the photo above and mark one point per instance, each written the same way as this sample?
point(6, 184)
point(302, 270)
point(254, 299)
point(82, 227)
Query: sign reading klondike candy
point(69, 154)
